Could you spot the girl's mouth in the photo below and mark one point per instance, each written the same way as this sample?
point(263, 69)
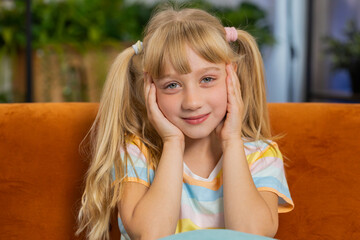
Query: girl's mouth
point(197, 119)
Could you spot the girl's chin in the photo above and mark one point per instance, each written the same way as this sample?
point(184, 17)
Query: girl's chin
point(198, 132)
point(199, 135)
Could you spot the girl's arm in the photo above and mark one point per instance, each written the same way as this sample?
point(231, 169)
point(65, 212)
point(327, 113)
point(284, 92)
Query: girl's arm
point(151, 213)
point(245, 208)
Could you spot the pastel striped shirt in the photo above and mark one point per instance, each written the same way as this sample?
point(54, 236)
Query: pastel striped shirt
point(202, 198)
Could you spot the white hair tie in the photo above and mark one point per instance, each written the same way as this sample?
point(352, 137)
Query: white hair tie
point(138, 47)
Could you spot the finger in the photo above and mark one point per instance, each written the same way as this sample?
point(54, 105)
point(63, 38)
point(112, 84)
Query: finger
point(152, 99)
point(235, 82)
point(235, 103)
point(146, 89)
point(153, 105)
point(148, 93)
point(230, 88)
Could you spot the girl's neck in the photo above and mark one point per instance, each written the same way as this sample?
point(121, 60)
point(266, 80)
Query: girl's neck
point(203, 150)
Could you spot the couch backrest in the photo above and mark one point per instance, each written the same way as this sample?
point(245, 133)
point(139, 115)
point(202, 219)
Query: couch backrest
point(323, 147)
point(41, 169)
point(42, 172)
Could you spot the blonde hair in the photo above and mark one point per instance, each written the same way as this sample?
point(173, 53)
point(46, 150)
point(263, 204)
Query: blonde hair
point(122, 113)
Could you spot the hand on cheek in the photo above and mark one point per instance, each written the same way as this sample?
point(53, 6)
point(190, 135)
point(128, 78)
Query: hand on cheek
point(163, 126)
point(230, 128)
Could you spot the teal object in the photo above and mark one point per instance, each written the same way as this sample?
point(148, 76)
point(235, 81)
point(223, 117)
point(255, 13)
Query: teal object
point(215, 234)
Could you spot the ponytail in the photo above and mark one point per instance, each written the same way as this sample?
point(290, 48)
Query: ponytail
point(122, 115)
point(99, 198)
point(250, 71)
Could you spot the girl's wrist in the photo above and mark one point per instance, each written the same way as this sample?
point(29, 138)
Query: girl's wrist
point(232, 142)
point(174, 142)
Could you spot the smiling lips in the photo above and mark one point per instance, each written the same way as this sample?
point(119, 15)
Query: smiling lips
point(197, 119)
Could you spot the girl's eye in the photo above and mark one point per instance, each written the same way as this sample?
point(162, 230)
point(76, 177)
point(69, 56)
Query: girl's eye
point(171, 86)
point(207, 79)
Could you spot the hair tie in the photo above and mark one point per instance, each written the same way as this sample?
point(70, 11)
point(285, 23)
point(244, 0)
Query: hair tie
point(231, 34)
point(138, 47)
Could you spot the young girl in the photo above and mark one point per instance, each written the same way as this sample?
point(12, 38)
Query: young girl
point(182, 138)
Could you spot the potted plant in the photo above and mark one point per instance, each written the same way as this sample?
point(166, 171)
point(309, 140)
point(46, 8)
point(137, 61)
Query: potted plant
point(346, 54)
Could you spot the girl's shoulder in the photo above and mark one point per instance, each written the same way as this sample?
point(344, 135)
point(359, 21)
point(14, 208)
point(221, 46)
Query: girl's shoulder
point(259, 145)
point(262, 151)
point(137, 150)
point(134, 144)
point(261, 148)
point(135, 165)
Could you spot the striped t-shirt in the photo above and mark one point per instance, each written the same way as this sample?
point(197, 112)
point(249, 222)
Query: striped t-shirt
point(202, 204)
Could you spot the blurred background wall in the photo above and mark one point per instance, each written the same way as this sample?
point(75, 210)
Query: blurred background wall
point(311, 49)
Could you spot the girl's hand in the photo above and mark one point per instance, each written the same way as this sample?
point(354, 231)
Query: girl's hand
point(163, 126)
point(230, 128)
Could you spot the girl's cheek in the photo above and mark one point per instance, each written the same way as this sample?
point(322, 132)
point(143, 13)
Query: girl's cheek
point(166, 103)
point(159, 98)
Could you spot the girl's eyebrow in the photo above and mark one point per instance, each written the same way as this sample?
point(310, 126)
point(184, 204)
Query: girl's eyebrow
point(200, 71)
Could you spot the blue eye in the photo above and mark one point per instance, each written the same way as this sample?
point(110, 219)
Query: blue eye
point(207, 79)
point(171, 85)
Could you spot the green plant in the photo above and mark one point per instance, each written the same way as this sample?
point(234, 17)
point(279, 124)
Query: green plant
point(12, 28)
point(81, 26)
point(5, 97)
point(92, 23)
point(346, 54)
point(246, 16)
point(250, 18)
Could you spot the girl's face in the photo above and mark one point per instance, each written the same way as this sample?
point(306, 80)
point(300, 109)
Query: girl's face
point(195, 102)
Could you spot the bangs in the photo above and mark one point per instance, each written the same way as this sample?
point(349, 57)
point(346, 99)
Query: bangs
point(168, 46)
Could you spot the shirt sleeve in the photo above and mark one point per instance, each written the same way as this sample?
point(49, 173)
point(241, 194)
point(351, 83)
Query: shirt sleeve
point(136, 166)
point(269, 175)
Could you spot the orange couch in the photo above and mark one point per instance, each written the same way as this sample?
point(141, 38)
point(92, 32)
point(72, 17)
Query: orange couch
point(42, 172)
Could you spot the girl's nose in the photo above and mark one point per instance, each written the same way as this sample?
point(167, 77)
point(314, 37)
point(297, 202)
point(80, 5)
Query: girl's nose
point(192, 100)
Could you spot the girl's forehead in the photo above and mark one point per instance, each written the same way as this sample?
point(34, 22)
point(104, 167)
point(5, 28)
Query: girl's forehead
point(189, 62)
point(184, 55)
